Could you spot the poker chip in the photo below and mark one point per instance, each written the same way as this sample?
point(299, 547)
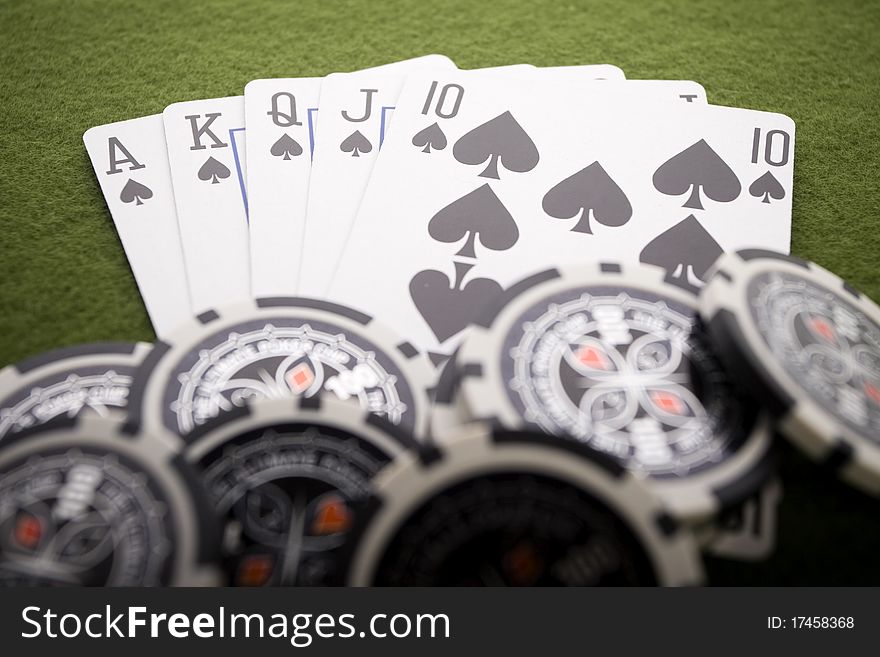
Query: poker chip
point(271, 348)
point(85, 503)
point(286, 477)
point(747, 532)
point(448, 410)
point(496, 507)
point(808, 345)
point(613, 356)
point(65, 382)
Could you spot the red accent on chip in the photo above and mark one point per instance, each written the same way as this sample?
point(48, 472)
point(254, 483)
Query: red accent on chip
point(523, 564)
point(872, 391)
point(300, 378)
point(668, 402)
point(333, 516)
point(823, 328)
point(593, 358)
point(255, 570)
point(28, 531)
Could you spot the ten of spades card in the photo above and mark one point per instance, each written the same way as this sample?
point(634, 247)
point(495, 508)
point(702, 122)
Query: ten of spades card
point(357, 110)
point(537, 176)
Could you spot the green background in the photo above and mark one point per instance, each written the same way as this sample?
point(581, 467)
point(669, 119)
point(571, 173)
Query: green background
point(68, 65)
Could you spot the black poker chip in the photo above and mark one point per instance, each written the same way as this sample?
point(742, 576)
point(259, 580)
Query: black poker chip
point(280, 347)
point(501, 508)
point(613, 356)
point(286, 477)
point(808, 345)
point(448, 409)
point(93, 378)
point(86, 502)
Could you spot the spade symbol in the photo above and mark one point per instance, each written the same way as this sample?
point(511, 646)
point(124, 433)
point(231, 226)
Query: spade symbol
point(447, 308)
point(355, 144)
point(696, 167)
point(285, 147)
point(478, 213)
point(134, 191)
point(768, 187)
point(501, 139)
point(685, 251)
point(213, 170)
point(430, 137)
point(589, 189)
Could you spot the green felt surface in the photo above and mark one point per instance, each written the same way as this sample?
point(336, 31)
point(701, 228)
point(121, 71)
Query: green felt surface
point(68, 65)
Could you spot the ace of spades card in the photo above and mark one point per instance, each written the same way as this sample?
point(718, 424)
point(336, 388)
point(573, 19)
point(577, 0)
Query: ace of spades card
point(587, 171)
point(280, 115)
point(131, 162)
point(209, 190)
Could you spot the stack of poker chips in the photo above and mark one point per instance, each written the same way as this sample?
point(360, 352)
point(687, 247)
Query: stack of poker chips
point(599, 425)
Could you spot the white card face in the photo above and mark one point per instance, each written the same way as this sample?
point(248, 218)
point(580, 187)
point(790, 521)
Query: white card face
point(206, 154)
point(131, 163)
point(355, 111)
point(280, 115)
point(356, 115)
point(535, 176)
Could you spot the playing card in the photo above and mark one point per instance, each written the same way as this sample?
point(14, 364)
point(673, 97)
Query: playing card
point(281, 118)
point(349, 144)
point(356, 110)
point(280, 115)
point(204, 139)
point(131, 163)
point(538, 176)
